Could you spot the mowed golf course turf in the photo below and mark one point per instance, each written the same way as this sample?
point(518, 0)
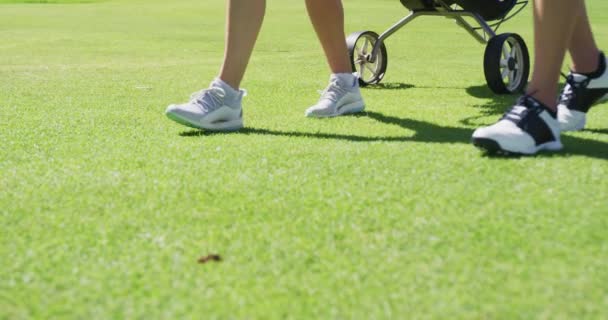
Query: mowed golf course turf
point(106, 206)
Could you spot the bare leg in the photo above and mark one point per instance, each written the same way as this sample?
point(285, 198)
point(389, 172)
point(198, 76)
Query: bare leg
point(243, 22)
point(582, 46)
point(553, 28)
point(327, 17)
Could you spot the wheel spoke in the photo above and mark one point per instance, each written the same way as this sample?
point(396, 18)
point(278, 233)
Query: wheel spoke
point(513, 53)
point(365, 44)
point(505, 73)
point(362, 70)
point(511, 77)
point(359, 50)
point(370, 68)
point(504, 63)
point(505, 52)
point(518, 56)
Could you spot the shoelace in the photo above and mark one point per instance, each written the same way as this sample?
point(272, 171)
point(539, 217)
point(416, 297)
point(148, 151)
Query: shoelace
point(216, 95)
point(333, 91)
point(516, 113)
point(569, 91)
point(520, 109)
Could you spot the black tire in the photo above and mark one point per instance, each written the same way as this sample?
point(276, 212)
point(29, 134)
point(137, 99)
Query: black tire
point(360, 46)
point(506, 64)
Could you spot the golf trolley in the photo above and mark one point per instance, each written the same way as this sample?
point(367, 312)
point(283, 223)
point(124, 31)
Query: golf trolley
point(506, 59)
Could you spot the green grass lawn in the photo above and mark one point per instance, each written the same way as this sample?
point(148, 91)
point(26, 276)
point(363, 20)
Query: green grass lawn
point(106, 205)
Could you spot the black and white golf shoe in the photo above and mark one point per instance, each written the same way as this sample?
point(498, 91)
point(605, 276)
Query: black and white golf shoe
point(528, 127)
point(580, 93)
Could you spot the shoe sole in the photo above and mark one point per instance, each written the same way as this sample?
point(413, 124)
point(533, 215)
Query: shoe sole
point(346, 109)
point(492, 147)
point(225, 126)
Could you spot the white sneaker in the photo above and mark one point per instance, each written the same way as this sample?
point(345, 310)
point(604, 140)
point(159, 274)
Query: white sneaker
point(217, 108)
point(342, 96)
point(581, 92)
point(526, 128)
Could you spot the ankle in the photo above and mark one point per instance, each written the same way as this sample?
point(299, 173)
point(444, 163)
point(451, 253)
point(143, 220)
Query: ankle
point(227, 84)
point(593, 67)
point(548, 101)
point(346, 78)
point(228, 88)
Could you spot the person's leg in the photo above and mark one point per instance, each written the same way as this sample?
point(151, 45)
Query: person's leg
point(342, 96)
point(587, 82)
point(327, 17)
point(531, 124)
point(582, 47)
point(554, 23)
point(219, 107)
point(243, 22)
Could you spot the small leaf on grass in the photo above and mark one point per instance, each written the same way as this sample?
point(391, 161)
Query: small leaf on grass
point(209, 258)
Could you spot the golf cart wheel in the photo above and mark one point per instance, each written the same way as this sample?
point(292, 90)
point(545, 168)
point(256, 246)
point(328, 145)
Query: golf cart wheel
point(360, 46)
point(506, 63)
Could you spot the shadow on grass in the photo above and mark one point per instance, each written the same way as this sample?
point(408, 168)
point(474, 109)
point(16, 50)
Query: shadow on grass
point(583, 147)
point(476, 91)
point(497, 105)
point(294, 134)
point(424, 132)
point(390, 86)
point(600, 131)
point(432, 133)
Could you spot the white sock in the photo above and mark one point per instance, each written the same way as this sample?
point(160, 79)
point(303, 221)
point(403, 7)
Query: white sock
point(230, 91)
point(346, 78)
point(233, 96)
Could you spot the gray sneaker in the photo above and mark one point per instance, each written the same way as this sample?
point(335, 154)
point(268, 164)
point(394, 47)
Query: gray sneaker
point(210, 109)
point(342, 96)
